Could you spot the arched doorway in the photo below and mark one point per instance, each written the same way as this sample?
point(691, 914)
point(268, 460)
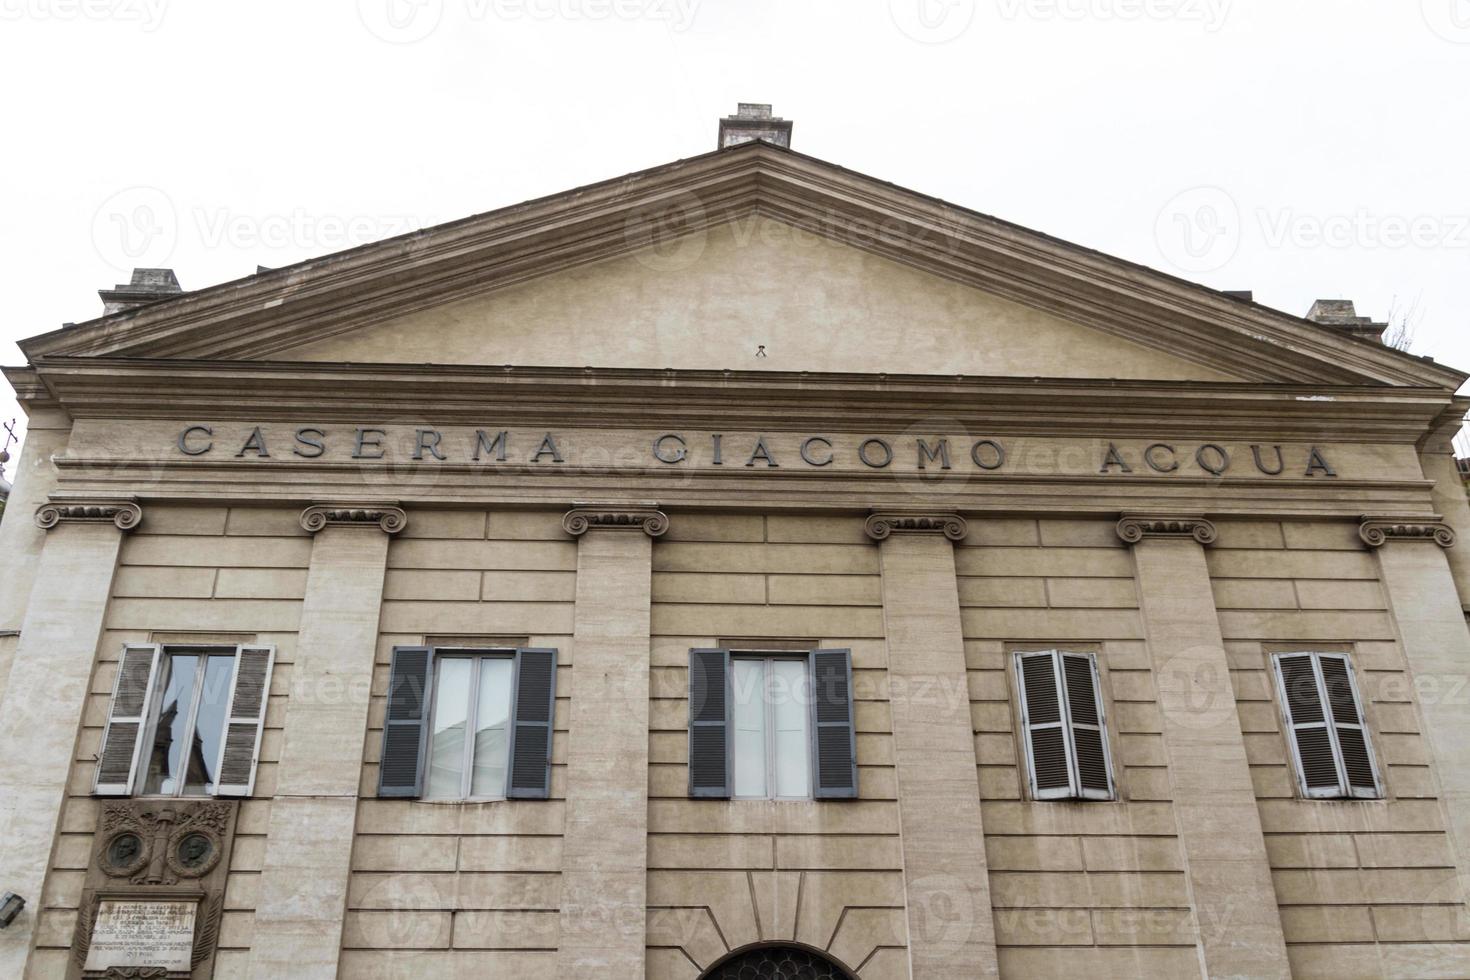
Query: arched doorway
point(777, 962)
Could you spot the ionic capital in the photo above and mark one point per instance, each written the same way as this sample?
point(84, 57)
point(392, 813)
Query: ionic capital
point(389, 519)
point(124, 513)
point(650, 520)
point(880, 525)
point(1133, 528)
point(1378, 531)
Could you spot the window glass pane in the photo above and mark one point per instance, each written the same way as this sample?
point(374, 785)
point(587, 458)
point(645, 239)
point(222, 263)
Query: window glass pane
point(492, 726)
point(747, 678)
point(446, 743)
point(166, 759)
point(790, 701)
point(209, 725)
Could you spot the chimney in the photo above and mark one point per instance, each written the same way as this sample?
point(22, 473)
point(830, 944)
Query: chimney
point(753, 121)
point(1342, 315)
point(148, 286)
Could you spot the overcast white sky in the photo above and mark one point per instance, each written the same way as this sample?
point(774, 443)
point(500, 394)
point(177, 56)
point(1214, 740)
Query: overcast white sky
point(1300, 148)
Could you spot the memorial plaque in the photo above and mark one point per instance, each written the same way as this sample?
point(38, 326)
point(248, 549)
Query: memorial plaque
point(133, 933)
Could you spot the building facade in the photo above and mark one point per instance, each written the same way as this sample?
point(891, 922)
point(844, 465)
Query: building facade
point(744, 565)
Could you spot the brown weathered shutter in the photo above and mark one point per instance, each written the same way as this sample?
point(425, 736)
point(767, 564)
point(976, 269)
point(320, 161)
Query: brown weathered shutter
point(532, 717)
point(1048, 753)
point(709, 723)
point(1088, 731)
point(405, 723)
point(1301, 693)
point(239, 752)
point(834, 731)
point(1354, 747)
point(127, 719)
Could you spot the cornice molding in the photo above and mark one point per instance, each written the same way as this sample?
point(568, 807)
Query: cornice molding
point(1133, 528)
point(1378, 531)
point(266, 314)
point(389, 519)
point(614, 517)
point(881, 525)
point(125, 514)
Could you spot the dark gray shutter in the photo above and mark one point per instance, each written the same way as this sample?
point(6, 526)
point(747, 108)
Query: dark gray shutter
point(239, 751)
point(1354, 748)
point(1301, 694)
point(531, 724)
point(1089, 733)
point(836, 740)
point(406, 723)
point(1047, 750)
point(709, 723)
point(127, 718)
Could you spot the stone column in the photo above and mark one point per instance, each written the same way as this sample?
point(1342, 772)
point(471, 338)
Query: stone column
point(605, 844)
point(1451, 502)
point(946, 879)
point(1415, 572)
point(21, 539)
point(1214, 799)
point(47, 694)
point(303, 882)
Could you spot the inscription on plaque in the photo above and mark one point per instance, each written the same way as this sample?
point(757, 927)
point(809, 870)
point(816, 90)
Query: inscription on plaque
point(128, 933)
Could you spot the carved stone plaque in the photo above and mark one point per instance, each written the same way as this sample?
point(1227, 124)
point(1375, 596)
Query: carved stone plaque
point(133, 933)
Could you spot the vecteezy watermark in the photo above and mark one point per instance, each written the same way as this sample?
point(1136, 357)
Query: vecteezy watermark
point(1211, 14)
point(1450, 19)
point(142, 227)
point(1362, 229)
point(932, 21)
point(137, 226)
point(147, 14)
point(407, 21)
point(1198, 230)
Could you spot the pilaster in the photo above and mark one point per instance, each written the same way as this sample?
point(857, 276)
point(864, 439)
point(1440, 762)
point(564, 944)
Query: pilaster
point(1413, 563)
point(605, 843)
point(303, 882)
point(1214, 799)
point(947, 883)
point(43, 702)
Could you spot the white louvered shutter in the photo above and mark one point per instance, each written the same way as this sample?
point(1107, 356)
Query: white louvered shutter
point(127, 720)
point(1318, 769)
point(239, 752)
point(1094, 776)
point(1354, 748)
point(1043, 717)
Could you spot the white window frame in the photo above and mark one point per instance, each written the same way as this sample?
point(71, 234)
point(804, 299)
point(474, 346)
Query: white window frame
point(161, 674)
point(766, 658)
point(1074, 791)
point(472, 715)
point(1344, 790)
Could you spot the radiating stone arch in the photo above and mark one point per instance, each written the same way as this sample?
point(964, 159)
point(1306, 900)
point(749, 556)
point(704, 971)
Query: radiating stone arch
point(777, 961)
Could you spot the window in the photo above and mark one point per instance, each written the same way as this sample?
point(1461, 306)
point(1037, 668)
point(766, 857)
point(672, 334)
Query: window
point(185, 721)
point(468, 724)
point(1066, 737)
point(469, 744)
point(1331, 749)
point(771, 726)
point(772, 730)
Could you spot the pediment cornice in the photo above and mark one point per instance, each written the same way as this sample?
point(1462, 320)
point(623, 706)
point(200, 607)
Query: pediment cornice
point(265, 316)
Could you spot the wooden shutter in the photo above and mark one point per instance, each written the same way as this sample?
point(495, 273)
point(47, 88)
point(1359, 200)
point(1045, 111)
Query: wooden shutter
point(1312, 744)
point(709, 723)
point(532, 715)
point(1089, 736)
point(1354, 747)
point(239, 751)
point(406, 723)
point(127, 720)
point(835, 772)
point(1043, 718)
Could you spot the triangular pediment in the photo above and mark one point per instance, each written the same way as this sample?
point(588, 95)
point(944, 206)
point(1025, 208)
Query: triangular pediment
point(755, 294)
point(698, 264)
